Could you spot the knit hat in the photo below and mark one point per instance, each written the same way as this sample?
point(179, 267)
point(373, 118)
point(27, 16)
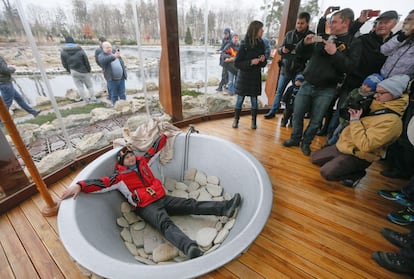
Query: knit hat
point(395, 84)
point(299, 77)
point(372, 81)
point(122, 153)
point(388, 14)
point(227, 30)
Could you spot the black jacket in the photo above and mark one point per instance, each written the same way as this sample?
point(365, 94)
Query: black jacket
point(291, 63)
point(74, 58)
point(249, 77)
point(324, 70)
point(5, 72)
point(371, 60)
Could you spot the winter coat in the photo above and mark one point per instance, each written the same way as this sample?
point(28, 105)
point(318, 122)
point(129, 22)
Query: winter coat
point(292, 63)
point(105, 61)
point(74, 58)
point(368, 137)
point(140, 187)
point(5, 72)
point(400, 58)
point(249, 77)
point(324, 70)
point(230, 52)
point(371, 60)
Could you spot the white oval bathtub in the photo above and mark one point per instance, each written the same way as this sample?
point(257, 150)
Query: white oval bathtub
point(88, 229)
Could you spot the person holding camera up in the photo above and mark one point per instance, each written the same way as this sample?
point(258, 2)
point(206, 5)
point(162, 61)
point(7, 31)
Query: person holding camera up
point(290, 64)
point(366, 138)
point(330, 57)
point(114, 71)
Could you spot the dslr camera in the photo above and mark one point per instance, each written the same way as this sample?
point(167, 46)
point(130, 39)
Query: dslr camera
point(357, 102)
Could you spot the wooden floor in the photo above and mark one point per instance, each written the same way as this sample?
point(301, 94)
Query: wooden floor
point(317, 229)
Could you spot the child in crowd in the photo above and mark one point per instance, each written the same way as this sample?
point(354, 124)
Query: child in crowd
point(362, 95)
point(289, 98)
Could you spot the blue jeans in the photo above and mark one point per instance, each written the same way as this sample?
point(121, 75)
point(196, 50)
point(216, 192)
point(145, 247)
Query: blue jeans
point(315, 100)
point(116, 90)
point(240, 100)
point(230, 85)
point(281, 86)
point(9, 94)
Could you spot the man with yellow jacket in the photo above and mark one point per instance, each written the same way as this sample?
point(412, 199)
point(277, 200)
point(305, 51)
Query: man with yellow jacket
point(366, 138)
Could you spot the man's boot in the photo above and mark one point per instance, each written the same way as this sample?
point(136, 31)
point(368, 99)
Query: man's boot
point(254, 116)
point(236, 118)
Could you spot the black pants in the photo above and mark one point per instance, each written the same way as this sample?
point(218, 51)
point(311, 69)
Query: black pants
point(408, 190)
point(337, 166)
point(158, 215)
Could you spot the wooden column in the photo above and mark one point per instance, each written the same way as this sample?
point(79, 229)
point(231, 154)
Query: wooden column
point(169, 77)
point(290, 13)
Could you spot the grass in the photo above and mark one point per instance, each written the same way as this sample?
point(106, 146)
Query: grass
point(41, 119)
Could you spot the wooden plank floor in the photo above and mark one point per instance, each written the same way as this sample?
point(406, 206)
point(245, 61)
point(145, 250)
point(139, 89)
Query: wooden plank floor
point(317, 229)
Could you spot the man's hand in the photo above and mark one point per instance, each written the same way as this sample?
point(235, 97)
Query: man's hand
point(308, 39)
point(73, 190)
point(364, 16)
point(354, 114)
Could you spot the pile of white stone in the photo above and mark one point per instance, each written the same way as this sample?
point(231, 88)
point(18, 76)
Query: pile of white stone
point(148, 246)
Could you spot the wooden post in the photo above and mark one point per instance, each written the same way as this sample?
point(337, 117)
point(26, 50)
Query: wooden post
point(169, 78)
point(52, 207)
point(290, 12)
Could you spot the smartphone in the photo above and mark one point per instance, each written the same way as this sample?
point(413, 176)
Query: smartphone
point(290, 46)
point(317, 39)
point(335, 8)
point(372, 13)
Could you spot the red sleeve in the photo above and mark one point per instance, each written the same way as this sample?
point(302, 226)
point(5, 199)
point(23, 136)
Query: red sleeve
point(95, 185)
point(156, 147)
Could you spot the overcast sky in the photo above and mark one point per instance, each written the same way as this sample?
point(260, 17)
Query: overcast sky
point(401, 6)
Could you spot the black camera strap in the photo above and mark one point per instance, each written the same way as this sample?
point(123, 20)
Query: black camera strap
point(383, 111)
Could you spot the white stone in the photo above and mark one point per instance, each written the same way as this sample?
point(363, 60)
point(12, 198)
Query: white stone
point(125, 207)
point(126, 235)
point(164, 252)
point(90, 143)
point(169, 184)
point(137, 237)
point(142, 253)
point(122, 222)
point(193, 186)
point(131, 217)
point(205, 236)
point(214, 190)
point(229, 225)
point(152, 239)
point(221, 236)
point(194, 195)
point(138, 226)
point(211, 179)
point(181, 186)
point(131, 248)
point(179, 194)
point(55, 160)
point(212, 248)
point(204, 195)
point(219, 226)
point(219, 198)
point(190, 174)
point(99, 114)
point(201, 178)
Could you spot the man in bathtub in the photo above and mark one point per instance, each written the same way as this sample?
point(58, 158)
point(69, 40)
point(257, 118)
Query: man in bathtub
point(135, 180)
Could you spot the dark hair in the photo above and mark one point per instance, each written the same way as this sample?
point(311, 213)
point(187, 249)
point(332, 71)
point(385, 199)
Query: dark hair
point(305, 16)
point(102, 39)
point(251, 33)
point(69, 39)
point(345, 14)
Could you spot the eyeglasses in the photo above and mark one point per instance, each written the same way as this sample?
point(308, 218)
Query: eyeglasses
point(381, 93)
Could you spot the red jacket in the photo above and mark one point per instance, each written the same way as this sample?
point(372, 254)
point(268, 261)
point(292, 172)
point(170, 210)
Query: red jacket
point(139, 185)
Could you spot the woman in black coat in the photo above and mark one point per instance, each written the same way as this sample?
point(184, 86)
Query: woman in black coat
point(249, 61)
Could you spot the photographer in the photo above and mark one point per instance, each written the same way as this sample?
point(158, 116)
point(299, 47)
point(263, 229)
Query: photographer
point(366, 138)
point(358, 98)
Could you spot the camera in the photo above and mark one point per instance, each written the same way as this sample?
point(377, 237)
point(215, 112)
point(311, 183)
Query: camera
point(335, 8)
point(372, 13)
point(356, 102)
point(317, 39)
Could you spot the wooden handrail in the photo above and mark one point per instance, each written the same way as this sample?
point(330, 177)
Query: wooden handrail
point(52, 207)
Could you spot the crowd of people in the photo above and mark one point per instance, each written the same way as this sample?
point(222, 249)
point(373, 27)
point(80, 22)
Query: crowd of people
point(357, 90)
